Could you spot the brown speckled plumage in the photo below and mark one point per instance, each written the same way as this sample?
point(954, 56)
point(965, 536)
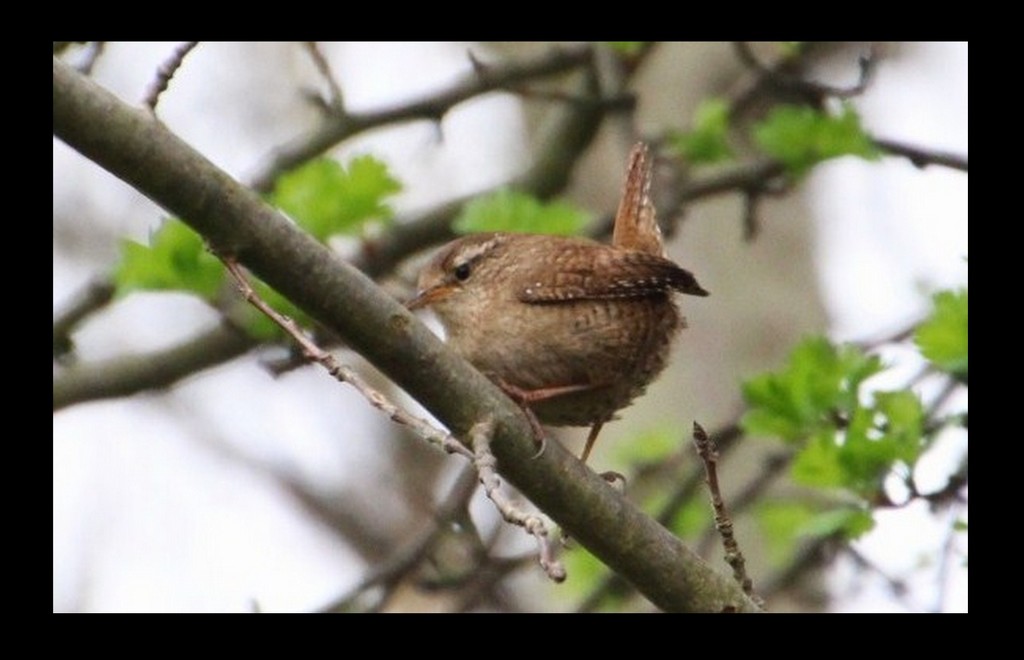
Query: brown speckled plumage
point(540, 313)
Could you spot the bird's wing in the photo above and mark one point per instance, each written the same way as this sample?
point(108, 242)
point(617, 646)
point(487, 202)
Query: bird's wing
point(605, 274)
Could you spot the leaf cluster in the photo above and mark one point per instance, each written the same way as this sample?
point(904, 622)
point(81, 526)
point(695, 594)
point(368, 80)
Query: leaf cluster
point(322, 197)
point(514, 211)
point(849, 437)
point(798, 136)
point(943, 337)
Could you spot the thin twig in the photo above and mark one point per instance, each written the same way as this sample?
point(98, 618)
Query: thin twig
point(336, 129)
point(951, 386)
point(756, 175)
point(921, 157)
point(486, 581)
point(486, 463)
point(92, 55)
point(686, 486)
point(335, 100)
point(813, 90)
point(761, 177)
point(897, 586)
point(945, 562)
point(733, 555)
point(92, 297)
point(608, 102)
point(894, 337)
point(776, 76)
point(346, 517)
point(391, 572)
point(751, 226)
point(611, 74)
point(621, 102)
point(345, 373)
point(165, 73)
point(951, 492)
point(773, 467)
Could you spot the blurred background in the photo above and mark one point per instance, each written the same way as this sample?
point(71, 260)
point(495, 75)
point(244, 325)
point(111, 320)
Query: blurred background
point(236, 489)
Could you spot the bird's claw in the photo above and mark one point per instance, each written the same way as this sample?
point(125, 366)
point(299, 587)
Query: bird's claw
point(613, 478)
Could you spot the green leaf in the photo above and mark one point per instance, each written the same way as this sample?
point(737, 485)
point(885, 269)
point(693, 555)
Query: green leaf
point(175, 259)
point(819, 463)
point(769, 423)
point(903, 420)
point(801, 136)
point(818, 381)
point(326, 199)
point(814, 401)
point(509, 210)
point(707, 142)
point(959, 525)
point(859, 454)
point(864, 456)
point(943, 337)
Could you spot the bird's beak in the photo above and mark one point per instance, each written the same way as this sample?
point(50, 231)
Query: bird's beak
point(425, 297)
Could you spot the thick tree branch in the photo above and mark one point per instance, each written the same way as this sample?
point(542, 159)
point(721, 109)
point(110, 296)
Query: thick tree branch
point(140, 150)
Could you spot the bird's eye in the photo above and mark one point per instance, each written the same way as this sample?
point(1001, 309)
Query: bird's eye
point(462, 272)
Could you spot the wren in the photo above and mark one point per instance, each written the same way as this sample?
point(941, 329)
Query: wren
point(572, 329)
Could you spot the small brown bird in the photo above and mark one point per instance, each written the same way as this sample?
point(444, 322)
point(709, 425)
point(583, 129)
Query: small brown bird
point(573, 330)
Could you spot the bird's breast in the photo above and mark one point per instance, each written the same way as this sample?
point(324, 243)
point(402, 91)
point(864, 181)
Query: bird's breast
point(615, 347)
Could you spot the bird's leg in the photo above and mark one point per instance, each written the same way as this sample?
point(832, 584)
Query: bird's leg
point(526, 397)
point(520, 396)
point(591, 438)
point(610, 476)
